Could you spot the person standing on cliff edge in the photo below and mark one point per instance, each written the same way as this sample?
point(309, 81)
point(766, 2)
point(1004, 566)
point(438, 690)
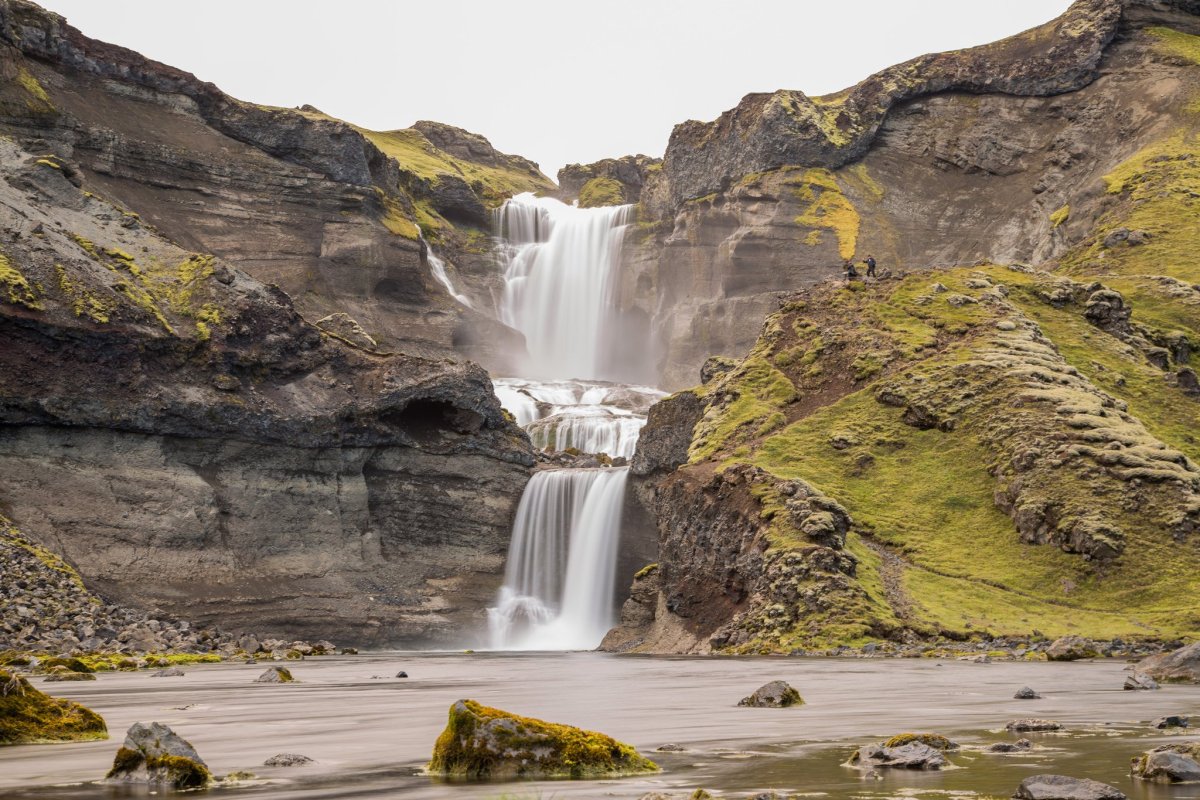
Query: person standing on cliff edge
point(870, 262)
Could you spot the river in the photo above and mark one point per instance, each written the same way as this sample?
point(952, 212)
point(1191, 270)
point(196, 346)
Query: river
point(370, 737)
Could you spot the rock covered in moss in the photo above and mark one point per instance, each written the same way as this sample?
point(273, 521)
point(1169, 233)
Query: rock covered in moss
point(1062, 787)
point(153, 753)
point(275, 675)
point(1072, 648)
point(934, 740)
point(1178, 666)
point(483, 742)
point(776, 694)
point(1171, 763)
point(28, 715)
point(68, 675)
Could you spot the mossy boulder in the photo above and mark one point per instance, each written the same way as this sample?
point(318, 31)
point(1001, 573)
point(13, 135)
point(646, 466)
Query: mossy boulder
point(57, 664)
point(1072, 648)
point(486, 743)
point(153, 753)
point(28, 715)
point(934, 740)
point(1171, 763)
point(68, 675)
point(275, 675)
point(776, 694)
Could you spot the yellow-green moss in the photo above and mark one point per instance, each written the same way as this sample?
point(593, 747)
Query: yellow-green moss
point(1176, 43)
point(934, 740)
point(482, 742)
point(179, 772)
point(15, 286)
point(38, 101)
point(601, 191)
point(645, 571)
point(28, 715)
point(1060, 216)
point(827, 208)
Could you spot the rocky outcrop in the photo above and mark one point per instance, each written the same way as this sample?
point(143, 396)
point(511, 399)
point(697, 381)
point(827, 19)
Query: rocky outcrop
point(609, 182)
point(776, 694)
point(216, 457)
point(487, 743)
point(1178, 666)
point(27, 715)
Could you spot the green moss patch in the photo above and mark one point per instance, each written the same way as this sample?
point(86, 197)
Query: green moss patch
point(601, 192)
point(486, 743)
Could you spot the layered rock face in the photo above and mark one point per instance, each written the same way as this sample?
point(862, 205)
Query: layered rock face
point(994, 153)
point(331, 213)
point(189, 442)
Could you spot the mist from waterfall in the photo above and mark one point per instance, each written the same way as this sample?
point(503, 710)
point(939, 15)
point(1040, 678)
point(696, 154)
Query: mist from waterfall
point(560, 284)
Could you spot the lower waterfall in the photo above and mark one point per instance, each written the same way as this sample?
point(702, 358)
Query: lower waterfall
point(558, 586)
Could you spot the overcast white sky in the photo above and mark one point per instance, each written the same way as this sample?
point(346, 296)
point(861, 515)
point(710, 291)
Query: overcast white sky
point(557, 81)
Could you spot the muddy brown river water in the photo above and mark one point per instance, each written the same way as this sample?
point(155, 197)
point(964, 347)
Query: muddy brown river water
point(370, 736)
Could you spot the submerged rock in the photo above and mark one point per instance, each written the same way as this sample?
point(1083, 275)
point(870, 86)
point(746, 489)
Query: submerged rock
point(1019, 746)
point(287, 760)
point(1140, 682)
point(1033, 725)
point(28, 715)
point(776, 694)
point(483, 742)
point(913, 755)
point(1172, 721)
point(1061, 787)
point(1178, 666)
point(1027, 694)
point(171, 672)
point(67, 675)
point(1171, 763)
point(275, 675)
point(153, 753)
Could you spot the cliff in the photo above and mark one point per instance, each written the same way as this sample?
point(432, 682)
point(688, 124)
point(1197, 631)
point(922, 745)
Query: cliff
point(996, 153)
point(992, 451)
point(176, 428)
point(332, 213)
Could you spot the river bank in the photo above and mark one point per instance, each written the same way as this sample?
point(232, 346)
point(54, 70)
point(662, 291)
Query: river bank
point(370, 733)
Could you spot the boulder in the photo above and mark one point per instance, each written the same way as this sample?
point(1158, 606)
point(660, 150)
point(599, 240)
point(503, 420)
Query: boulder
point(1178, 666)
point(1019, 746)
point(486, 743)
point(275, 675)
point(1171, 721)
point(1071, 648)
point(28, 715)
point(914, 755)
point(1140, 682)
point(1033, 725)
point(153, 753)
point(287, 760)
point(776, 694)
point(170, 672)
point(1172, 763)
point(1027, 694)
point(401, 674)
point(67, 675)
point(1061, 787)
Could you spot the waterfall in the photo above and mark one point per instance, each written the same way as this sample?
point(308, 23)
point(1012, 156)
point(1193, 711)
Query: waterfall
point(560, 283)
point(438, 267)
point(560, 286)
point(558, 585)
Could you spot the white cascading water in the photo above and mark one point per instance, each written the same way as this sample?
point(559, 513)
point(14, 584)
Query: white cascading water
point(560, 283)
point(438, 268)
point(560, 287)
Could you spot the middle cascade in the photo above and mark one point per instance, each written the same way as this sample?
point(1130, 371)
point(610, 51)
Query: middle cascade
point(560, 291)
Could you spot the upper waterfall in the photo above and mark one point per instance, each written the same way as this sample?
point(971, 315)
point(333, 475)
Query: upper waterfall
point(561, 284)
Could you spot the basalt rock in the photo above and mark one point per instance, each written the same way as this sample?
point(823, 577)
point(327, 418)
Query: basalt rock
point(913, 755)
point(1062, 787)
point(1172, 763)
point(776, 694)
